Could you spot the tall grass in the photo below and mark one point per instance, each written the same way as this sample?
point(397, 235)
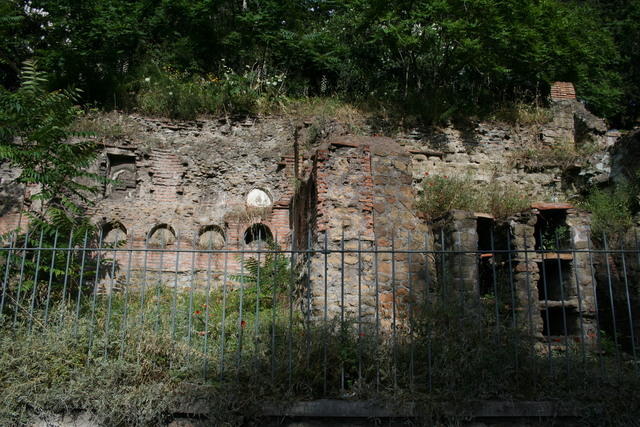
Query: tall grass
point(139, 361)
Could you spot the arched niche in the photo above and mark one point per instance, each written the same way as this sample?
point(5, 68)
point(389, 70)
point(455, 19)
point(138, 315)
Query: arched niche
point(257, 234)
point(259, 198)
point(161, 235)
point(113, 233)
point(211, 237)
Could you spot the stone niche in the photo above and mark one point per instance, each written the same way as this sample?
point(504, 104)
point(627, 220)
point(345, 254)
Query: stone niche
point(113, 233)
point(121, 168)
point(259, 198)
point(257, 235)
point(211, 237)
point(161, 236)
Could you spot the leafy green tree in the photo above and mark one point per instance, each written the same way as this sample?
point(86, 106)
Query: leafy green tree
point(35, 137)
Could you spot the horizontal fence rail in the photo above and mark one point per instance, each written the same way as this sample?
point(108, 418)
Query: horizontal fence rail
point(336, 316)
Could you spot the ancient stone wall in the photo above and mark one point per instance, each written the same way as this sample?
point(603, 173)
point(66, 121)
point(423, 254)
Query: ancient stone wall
point(364, 203)
point(218, 184)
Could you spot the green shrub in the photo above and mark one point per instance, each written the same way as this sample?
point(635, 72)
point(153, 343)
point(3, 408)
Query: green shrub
point(440, 194)
point(443, 193)
point(610, 209)
point(179, 95)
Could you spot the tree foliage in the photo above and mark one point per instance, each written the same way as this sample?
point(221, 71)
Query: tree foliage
point(432, 58)
point(35, 137)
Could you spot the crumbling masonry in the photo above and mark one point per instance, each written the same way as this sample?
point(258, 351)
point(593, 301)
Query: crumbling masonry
point(233, 185)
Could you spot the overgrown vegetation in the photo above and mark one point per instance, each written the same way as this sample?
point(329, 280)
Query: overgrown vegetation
point(562, 155)
point(441, 194)
point(36, 138)
point(431, 61)
point(613, 208)
point(525, 114)
point(138, 353)
point(140, 372)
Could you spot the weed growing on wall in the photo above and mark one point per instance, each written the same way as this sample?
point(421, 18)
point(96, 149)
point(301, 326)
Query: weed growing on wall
point(440, 194)
point(610, 210)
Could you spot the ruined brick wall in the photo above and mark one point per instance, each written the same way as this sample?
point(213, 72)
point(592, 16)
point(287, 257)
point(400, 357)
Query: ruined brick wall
point(176, 181)
point(364, 202)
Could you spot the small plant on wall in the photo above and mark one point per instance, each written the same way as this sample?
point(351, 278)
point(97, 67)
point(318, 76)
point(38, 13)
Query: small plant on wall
point(441, 194)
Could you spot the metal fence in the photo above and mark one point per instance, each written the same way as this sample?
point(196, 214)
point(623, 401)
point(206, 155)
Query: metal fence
point(337, 317)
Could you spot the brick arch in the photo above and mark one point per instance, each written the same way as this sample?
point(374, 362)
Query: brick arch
point(161, 235)
point(257, 232)
point(113, 232)
point(211, 237)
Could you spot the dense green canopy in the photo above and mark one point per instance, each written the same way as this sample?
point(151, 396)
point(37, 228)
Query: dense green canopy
point(432, 57)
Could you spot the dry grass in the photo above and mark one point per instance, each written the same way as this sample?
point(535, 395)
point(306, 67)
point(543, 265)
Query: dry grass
point(108, 125)
point(561, 155)
point(523, 114)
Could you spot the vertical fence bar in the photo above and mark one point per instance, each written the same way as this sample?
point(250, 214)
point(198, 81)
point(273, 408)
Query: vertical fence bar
point(309, 292)
point(174, 299)
point(607, 254)
point(205, 362)
point(543, 254)
point(20, 278)
point(7, 270)
point(63, 295)
point(125, 308)
point(427, 285)
point(597, 308)
point(629, 311)
point(224, 313)
point(257, 319)
point(70, 251)
point(580, 314)
point(394, 337)
point(144, 280)
point(377, 325)
point(411, 320)
point(514, 317)
point(96, 283)
point(562, 304)
point(443, 287)
point(51, 268)
point(80, 282)
point(36, 276)
point(191, 291)
point(292, 267)
point(495, 282)
point(325, 318)
point(107, 322)
point(273, 315)
point(528, 284)
point(163, 247)
point(240, 313)
point(360, 332)
point(342, 325)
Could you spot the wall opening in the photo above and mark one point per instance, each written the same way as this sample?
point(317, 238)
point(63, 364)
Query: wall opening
point(556, 323)
point(493, 262)
point(161, 236)
point(121, 169)
point(114, 233)
point(211, 237)
point(551, 230)
point(484, 229)
point(257, 234)
point(258, 198)
point(557, 274)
